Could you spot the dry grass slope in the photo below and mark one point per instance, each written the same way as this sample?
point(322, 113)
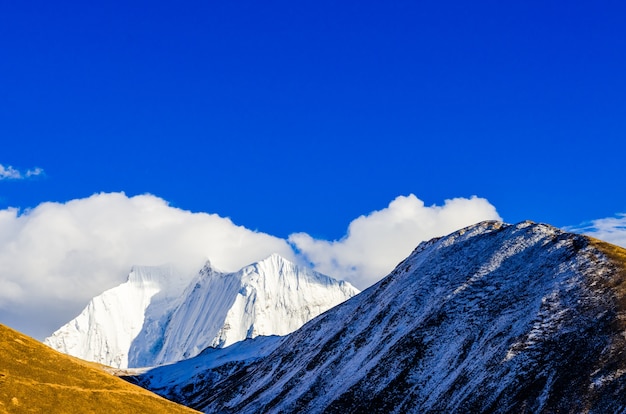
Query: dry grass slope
point(37, 379)
point(617, 255)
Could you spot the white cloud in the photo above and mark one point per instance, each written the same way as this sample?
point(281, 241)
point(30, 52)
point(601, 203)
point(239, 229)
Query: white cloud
point(610, 229)
point(55, 257)
point(34, 172)
point(10, 173)
point(376, 243)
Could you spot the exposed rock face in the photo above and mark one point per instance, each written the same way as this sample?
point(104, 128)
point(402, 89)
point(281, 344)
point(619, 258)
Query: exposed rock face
point(492, 318)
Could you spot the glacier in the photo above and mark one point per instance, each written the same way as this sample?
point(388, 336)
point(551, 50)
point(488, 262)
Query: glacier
point(158, 317)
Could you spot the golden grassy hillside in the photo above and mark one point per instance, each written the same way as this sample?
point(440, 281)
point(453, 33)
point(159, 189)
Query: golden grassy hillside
point(37, 379)
point(617, 255)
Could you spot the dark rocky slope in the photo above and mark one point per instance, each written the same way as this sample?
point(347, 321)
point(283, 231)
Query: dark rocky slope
point(492, 318)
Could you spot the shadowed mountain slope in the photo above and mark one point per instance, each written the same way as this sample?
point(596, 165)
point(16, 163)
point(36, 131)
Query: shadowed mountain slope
point(492, 318)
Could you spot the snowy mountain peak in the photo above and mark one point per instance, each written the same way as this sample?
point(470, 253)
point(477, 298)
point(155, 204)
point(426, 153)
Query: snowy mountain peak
point(275, 257)
point(208, 270)
point(277, 266)
point(273, 264)
point(270, 297)
point(158, 316)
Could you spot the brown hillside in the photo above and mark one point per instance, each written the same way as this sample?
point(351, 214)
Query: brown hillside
point(37, 379)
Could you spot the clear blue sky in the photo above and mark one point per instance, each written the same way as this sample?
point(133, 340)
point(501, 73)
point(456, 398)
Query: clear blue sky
point(294, 116)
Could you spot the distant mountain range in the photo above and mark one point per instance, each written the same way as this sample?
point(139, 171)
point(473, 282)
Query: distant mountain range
point(156, 317)
point(494, 318)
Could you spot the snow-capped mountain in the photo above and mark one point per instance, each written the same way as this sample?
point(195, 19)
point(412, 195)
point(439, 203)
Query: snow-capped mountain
point(492, 318)
point(150, 322)
point(271, 297)
point(104, 331)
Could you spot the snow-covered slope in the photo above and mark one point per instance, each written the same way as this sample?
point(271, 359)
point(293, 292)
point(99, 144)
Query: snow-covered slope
point(132, 326)
point(105, 329)
point(184, 378)
point(271, 297)
point(492, 318)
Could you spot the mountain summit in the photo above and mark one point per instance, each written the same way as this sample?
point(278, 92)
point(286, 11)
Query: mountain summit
point(150, 320)
point(271, 297)
point(492, 318)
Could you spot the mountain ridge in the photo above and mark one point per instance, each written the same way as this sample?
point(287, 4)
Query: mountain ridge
point(270, 297)
point(155, 318)
point(491, 318)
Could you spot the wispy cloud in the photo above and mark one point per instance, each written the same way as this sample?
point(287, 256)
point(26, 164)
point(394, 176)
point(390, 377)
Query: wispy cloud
point(11, 173)
point(610, 229)
point(34, 172)
point(376, 243)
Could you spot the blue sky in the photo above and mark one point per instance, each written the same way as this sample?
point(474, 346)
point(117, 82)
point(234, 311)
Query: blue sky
point(299, 117)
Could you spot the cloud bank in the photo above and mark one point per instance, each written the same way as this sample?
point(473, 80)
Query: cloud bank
point(10, 173)
point(610, 229)
point(376, 243)
point(55, 257)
